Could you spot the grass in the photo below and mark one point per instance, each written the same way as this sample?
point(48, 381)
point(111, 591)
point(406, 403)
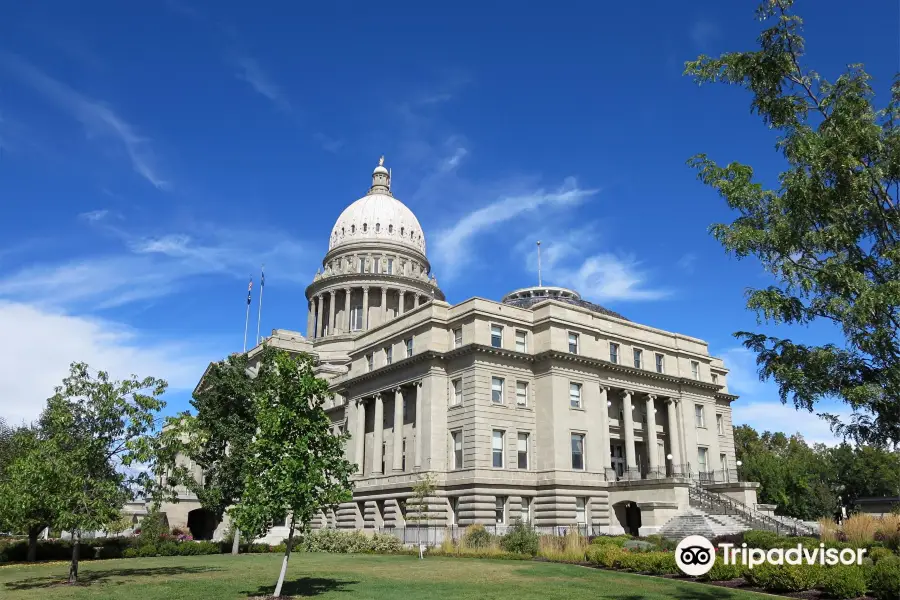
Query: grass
point(346, 577)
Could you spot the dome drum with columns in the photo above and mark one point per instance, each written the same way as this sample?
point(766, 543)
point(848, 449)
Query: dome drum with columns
point(375, 268)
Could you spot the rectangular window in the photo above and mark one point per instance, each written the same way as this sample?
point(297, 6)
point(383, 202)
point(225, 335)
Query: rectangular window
point(376, 264)
point(715, 378)
point(496, 390)
point(720, 424)
point(409, 347)
point(638, 358)
point(388, 355)
point(578, 451)
point(522, 450)
point(573, 343)
point(496, 336)
point(457, 337)
point(383, 454)
point(497, 449)
point(355, 318)
point(575, 395)
point(614, 353)
point(457, 449)
point(454, 510)
point(370, 361)
point(526, 509)
point(390, 266)
point(660, 363)
point(699, 417)
point(580, 512)
point(695, 369)
point(521, 393)
point(500, 510)
point(457, 392)
point(703, 459)
point(362, 265)
point(521, 341)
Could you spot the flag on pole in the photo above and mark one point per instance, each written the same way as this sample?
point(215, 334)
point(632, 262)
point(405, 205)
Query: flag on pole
point(262, 278)
point(249, 291)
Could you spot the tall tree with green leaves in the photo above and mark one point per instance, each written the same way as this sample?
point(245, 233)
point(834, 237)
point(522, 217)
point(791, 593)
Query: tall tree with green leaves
point(216, 437)
point(828, 233)
point(295, 463)
point(94, 432)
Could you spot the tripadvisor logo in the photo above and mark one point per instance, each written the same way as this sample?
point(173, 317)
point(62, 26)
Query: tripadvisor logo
point(695, 555)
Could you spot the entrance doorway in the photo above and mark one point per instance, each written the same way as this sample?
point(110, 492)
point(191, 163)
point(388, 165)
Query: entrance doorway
point(628, 515)
point(202, 524)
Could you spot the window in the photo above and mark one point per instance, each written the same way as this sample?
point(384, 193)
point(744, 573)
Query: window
point(362, 265)
point(454, 510)
point(457, 393)
point(703, 458)
point(383, 454)
point(496, 336)
point(614, 353)
point(377, 227)
point(403, 468)
point(715, 378)
point(370, 361)
point(575, 395)
point(638, 358)
point(409, 347)
point(525, 517)
point(388, 355)
point(660, 363)
point(457, 337)
point(496, 390)
point(723, 460)
point(521, 393)
point(376, 264)
point(456, 438)
point(578, 451)
point(390, 266)
point(573, 343)
point(580, 512)
point(521, 341)
point(500, 510)
point(699, 417)
point(355, 318)
point(720, 424)
point(695, 369)
point(497, 449)
point(522, 451)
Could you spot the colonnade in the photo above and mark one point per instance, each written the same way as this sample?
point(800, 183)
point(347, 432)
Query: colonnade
point(377, 404)
point(322, 319)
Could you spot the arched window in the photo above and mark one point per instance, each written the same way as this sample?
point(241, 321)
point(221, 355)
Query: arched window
point(412, 235)
point(401, 232)
point(365, 227)
point(353, 229)
point(390, 229)
point(377, 227)
point(342, 232)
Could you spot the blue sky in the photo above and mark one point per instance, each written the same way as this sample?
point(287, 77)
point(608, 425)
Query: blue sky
point(154, 154)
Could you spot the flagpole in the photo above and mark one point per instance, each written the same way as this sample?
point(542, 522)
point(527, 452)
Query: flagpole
point(247, 319)
point(262, 285)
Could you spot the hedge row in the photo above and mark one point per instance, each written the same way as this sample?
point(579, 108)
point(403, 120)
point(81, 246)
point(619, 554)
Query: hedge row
point(123, 547)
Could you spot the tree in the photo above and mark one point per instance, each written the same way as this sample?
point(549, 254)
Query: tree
point(216, 438)
point(295, 464)
point(92, 433)
point(422, 491)
point(26, 483)
point(864, 471)
point(829, 233)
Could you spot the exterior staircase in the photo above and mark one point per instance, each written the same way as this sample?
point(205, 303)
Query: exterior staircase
point(712, 514)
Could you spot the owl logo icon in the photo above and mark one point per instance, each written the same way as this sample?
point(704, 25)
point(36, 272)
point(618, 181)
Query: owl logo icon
point(695, 555)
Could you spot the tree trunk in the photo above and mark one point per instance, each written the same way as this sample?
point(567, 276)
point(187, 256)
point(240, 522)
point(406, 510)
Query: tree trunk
point(284, 563)
point(236, 544)
point(73, 568)
point(32, 543)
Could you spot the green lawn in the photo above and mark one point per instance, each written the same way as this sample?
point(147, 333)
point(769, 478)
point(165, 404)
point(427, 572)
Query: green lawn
point(343, 576)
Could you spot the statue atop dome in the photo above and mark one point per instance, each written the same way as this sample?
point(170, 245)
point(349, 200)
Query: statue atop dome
point(381, 161)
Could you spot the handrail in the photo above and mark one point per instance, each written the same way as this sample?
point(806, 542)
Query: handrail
point(737, 507)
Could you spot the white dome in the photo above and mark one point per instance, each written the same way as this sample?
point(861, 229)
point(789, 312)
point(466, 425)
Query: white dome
point(378, 217)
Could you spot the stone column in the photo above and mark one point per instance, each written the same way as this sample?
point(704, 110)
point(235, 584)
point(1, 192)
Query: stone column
point(379, 435)
point(418, 300)
point(419, 436)
point(331, 312)
point(360, 434)
point(401, 308)
point(383, 305)
point(605, 447)
point(365, 309)
point(628, 426)
point(347, 292)
point(319, 320)
point(398, 430)
point(311, 319)
point(650, 437)
point(674, 441)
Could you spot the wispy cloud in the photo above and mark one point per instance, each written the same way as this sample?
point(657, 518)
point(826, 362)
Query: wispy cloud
point(329, 144)
point(97, 117)
point(250, 72)
point(687, 262)
point(704, 33)
point(452, 245)
point(94, 216)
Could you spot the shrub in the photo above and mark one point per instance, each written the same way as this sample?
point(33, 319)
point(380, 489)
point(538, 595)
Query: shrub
point(764, 540)
point(828, 530)
point(385, 543)
point(167, 549)
point(876, 554)
point(153, 527)
point(662, 543)
point(889, 531)
point(884, 579)
point(477, 536)
point(722, 572)
point(606, 555)
point(785, 578)
point(568, 548)
point(844, 582)
point(146, 550)
point(662, 563)
point(130, 553)
point(860, 529)
point(617, 540)
point(521, 539)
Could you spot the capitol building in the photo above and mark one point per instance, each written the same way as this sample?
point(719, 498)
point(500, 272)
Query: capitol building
point(541, 406)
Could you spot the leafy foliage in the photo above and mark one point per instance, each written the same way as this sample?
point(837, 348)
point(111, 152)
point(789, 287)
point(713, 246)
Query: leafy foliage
point(335, 541)
point(520, 538)
point(828, 235)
